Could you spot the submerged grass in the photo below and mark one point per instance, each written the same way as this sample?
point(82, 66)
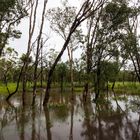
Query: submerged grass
point(120, 98)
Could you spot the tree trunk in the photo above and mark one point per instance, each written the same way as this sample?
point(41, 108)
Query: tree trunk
point(88, 71)
point(18, 82)
point(89, 51)
point(41, 76)
point(49, 80)
point(39, 41)
point(82, 15)
point(70, 55)
point(32, 23)
point(33, 124)
point(48, 127)
point(135, 67)
point(113, 85)
point(97, 92)
point(71, 121)
point(61, 84)
point(72, 78)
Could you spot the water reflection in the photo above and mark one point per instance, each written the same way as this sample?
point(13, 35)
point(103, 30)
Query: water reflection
point(65, 119)
point(48, 123)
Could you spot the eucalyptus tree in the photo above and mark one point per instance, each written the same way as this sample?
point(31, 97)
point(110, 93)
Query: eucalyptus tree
point(11, 13)
point(125, 20)
point(32, 6)
point(103, 40)
point(38, 48)
point(32, 24)
point(61, 19)
point(113, 22)
point(131, 38)
point(8, 66)
point(33, 14)
point(20, 67)
point(90, 44)
point(87, 9)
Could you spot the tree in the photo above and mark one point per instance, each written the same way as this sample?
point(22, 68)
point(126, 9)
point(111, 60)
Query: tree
point(32, 24)
point(38, 49)
point(32, 5)
point(86, 10)
point(131, 40)
point(8, 66)
point(108, 39)
point(11, 13)
point(60, 21)
point(61, 72)
point(91, 40)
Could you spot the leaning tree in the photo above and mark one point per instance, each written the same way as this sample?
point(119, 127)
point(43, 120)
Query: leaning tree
point(88, 9)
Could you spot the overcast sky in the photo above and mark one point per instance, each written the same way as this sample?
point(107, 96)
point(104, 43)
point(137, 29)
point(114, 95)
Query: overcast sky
point(55, 41)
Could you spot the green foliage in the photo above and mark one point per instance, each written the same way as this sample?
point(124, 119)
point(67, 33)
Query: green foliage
point(61, 69)
point(109, 70)
point(61, 19)
point(24, 58)
point(11, 13)
point(6, 5)
point(126, 76)
point(118, 14)
point(8, 64)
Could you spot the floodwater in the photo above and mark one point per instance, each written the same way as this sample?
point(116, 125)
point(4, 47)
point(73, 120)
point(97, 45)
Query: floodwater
point(64, 119)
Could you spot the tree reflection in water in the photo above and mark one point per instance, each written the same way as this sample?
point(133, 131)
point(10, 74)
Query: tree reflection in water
point(69, 120)
point(48, 124)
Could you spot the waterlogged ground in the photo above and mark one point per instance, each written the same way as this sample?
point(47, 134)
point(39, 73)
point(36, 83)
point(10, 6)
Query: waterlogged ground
point(66, 120)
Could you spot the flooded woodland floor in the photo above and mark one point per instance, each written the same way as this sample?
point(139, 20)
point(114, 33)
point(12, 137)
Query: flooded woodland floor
point(63, 119)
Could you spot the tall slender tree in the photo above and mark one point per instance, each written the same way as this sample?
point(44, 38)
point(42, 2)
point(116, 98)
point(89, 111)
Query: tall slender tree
point(38, 49)
point(88, 9)
point(60, 21)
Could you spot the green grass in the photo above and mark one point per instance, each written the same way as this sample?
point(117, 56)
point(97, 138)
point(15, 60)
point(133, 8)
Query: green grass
point(120, 87)
point(127, 88)
point(11, 86)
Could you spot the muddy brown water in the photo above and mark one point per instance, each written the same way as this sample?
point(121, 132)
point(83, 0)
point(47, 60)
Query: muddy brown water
point(64, 119)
